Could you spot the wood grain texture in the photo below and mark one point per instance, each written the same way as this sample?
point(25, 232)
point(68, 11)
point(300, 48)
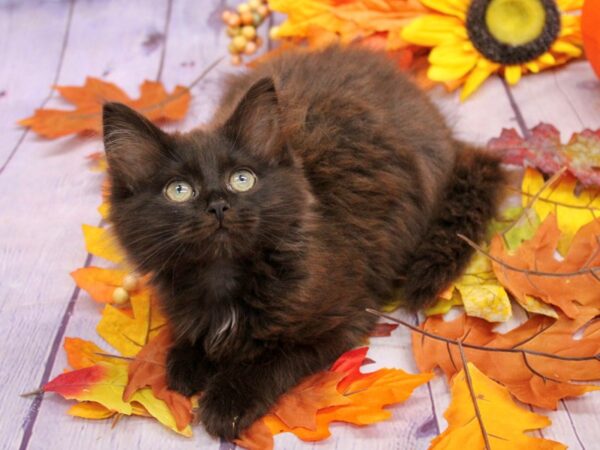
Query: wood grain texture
point(29, 69)
point(46, 192)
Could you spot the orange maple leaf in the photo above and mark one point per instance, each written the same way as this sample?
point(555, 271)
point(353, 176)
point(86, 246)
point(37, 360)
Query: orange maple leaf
point(154, 102)
point(536, 380)
point(99, 283)
point(359, 401)
point(539, 274)
point(148, 369)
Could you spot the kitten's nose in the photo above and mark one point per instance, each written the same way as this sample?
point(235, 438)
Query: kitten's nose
point(218, 208)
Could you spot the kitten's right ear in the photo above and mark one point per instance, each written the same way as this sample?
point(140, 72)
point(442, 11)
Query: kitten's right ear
point(134, 145)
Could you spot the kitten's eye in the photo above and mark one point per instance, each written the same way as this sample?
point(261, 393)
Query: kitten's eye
point(179, 191)
point(242, 180)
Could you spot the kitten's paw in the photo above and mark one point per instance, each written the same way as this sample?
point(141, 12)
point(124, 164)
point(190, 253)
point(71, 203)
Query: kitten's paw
point(226, 410)
point(187, 373)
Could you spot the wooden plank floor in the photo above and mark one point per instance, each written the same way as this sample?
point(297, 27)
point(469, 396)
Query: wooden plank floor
point(47, 192)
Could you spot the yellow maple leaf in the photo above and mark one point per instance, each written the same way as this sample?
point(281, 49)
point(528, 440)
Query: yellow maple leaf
point(482, 295)
point(505, 422)
point(99, 242)
point(127, 330)
point(573, 210)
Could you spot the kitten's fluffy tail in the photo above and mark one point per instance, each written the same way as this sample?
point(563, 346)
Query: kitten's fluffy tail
point(471, 199)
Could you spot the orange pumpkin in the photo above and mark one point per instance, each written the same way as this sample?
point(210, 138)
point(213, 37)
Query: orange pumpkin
point(590, 24)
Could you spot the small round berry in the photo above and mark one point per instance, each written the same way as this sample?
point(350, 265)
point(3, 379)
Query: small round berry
point(131, 282)
point(254, 4)
point(263, 10)
point(257, 19)
point(243, 8)
point(120, 296)
point(274, 32)
point(236, 60)
point(225, 16)
point(249, 32)
point(233, 31)
point(234, 20)
point(239, 43)
point(247, 18)
point(232, 48)
point(251, 48)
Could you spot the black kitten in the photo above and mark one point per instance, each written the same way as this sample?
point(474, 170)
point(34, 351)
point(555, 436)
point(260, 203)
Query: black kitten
point(325, 182)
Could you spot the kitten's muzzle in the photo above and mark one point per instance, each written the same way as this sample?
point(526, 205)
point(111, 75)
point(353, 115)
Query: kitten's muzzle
point(218, 208)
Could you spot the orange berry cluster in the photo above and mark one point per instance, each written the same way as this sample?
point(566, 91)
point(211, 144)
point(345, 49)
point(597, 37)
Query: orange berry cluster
point(241, 28)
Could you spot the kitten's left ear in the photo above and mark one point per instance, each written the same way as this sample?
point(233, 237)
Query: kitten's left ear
point(255, 123)
point(135, 147)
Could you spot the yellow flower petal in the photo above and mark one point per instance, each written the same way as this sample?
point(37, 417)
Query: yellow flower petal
point(432, 30)
point(565, 47)
point(547, 58)
point(569, 5)
point(533, 67)
point(450, 72)
point(512, 74)
point(475, 79)
point(452, 55)
point(456, 8)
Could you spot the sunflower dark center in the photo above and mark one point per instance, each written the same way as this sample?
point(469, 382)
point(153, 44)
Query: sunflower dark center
point(513, 31)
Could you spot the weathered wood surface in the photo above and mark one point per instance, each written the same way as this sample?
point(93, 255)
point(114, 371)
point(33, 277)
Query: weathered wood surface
point(47, 191)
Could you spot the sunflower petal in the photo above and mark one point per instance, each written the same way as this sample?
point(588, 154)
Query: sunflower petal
point(569, 5)
point(477, 76)
point(512, 74)
point(565, 47)
point(547, 58)
point(450, 72)
point(456, 8)
point(432, 30)
point(533, 67)
point(452, 55)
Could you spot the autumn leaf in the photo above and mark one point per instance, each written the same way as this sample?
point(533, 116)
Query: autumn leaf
point(129, 329)
point(348, 20)
point(82, 354)
point(536, 380)
point(103, 384)
point(154, 102)
point(543, 149)
point(505, 423)
point(99, 242)
point(148, 369)
point(481, 294)
point(304, 411)
point(573, 207)
point(533, 269)
point(99, 283)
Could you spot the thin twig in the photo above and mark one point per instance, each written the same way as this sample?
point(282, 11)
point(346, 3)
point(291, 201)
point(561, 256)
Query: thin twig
point(554, 202)
point(586, 271)
point(486, 440)
point(32, 393)
point(108, 355)
point(595, 357)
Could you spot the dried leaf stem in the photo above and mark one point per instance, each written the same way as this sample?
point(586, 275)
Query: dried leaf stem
point(593, 271)
point(482, 347)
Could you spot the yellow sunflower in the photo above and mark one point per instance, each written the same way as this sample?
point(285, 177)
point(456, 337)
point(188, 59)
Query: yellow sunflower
point(471, 39)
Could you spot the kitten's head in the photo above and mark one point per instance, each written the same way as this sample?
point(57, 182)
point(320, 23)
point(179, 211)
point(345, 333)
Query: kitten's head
point(208, 195)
